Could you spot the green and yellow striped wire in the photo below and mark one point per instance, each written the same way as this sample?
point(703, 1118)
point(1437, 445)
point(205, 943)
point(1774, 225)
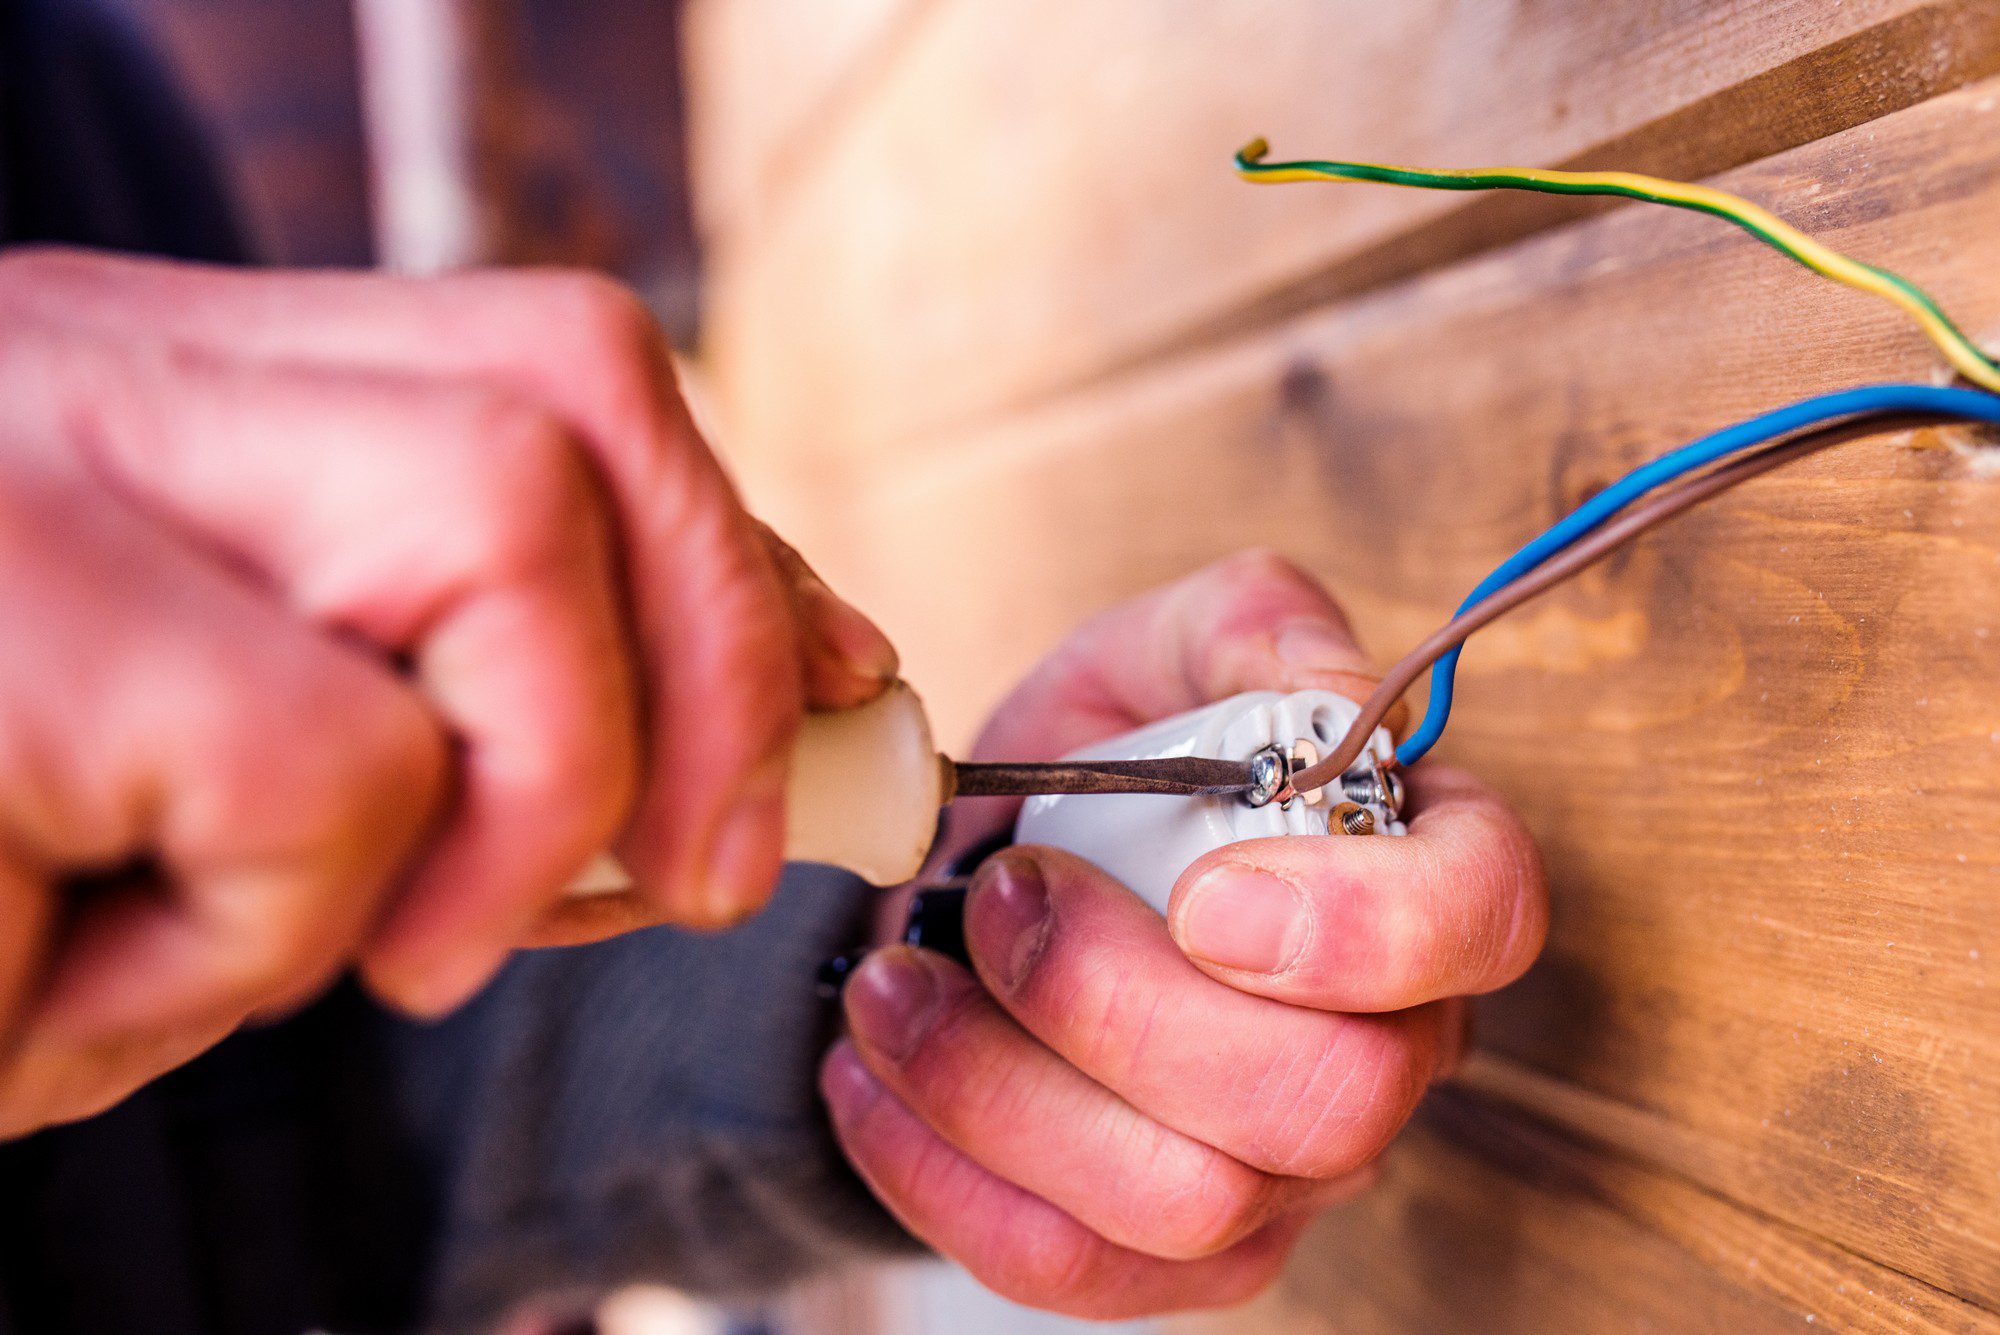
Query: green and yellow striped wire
point(1964, 355)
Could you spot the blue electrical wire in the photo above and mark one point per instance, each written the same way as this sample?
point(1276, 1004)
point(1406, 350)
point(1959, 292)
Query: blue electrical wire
point(1971, 404)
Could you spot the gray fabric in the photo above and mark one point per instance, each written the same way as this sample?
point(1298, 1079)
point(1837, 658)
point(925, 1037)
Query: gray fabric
point(645, 1109)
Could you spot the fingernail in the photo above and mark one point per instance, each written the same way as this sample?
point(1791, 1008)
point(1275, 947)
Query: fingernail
point(848, 1086)
point(1010, 908)
point(1241, 918)
point(890, 1000)
point(850, 637)
point(747, 856)
point(1312, 643)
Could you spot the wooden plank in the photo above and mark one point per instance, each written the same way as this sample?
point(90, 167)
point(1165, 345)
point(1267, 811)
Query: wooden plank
point(1039, 192)
point(1760, 749)
point(763, 75)
point(1485, 1221)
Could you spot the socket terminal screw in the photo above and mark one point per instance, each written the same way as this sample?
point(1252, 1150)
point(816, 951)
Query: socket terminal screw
point(1374, 784)
point(1350, 818)
point(1270, 776)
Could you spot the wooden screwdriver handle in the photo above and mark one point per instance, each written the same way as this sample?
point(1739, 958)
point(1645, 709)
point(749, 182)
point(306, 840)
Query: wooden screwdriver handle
point(865, 791)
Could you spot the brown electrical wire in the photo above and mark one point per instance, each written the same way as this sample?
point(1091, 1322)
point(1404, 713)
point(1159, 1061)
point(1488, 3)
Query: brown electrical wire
point(1573, 560)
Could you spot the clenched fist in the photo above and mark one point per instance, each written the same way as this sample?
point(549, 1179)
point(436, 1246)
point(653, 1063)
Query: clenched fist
point(344, 618)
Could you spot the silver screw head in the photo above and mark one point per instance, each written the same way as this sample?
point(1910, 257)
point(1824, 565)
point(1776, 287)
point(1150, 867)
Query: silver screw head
point(1269, 771)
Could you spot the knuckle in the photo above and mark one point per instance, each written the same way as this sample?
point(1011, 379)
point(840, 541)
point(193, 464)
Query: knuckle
point(743, 585)
point(398, 745)
point(260, 950)
point(1336, 1110)
point(539, 492)
point(1057, 1265)
point(722, 568)
point(1259, 566)
point(271, 956)
point(352, 777)
point(593, 769)
point(385, 767)
point(1208, 1207)
point(1112, 1019)
point(609, 341)
point(376, 776)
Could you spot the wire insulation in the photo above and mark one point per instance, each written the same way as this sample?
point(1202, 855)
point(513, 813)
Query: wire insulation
point(1965, 356)
point(1960, 404)
point(1593, 546)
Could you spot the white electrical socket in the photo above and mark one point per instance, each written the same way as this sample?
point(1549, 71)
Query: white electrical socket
point(1147, 841)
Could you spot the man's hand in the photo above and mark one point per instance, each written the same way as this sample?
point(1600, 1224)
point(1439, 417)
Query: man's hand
point(1122, 1115)
point(348, 616)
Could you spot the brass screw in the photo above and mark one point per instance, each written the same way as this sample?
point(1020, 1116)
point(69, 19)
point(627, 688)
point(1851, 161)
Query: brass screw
point(1350, 818)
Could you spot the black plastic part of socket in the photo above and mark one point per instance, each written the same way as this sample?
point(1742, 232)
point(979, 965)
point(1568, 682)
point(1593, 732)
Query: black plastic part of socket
point(831, 979)
point(936, 920)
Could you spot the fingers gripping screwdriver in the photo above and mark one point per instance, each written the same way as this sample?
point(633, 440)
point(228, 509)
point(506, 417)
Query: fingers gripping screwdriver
point(867, 785)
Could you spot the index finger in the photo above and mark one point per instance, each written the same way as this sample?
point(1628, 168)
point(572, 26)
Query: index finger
point(1457, 906)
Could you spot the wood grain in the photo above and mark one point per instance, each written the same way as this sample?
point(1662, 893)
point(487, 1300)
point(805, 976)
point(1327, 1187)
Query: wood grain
point(1488, 1221)
point(766, 76)
point(1038, 193)
point(1762, 751)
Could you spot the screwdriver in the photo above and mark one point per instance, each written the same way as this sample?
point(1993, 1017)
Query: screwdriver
point(867, 785)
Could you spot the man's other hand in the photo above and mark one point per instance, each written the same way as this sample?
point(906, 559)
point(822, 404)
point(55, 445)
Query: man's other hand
point(346, 617)
point(1114, 1114)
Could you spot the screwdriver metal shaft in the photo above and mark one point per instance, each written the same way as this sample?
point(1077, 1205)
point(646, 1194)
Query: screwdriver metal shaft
point(1175, 776)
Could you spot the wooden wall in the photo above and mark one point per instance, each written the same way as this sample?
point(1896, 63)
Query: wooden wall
point(995, 333)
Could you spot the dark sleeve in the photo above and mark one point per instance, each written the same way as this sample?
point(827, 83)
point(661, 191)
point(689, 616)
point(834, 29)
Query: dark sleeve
point(645, 1109)
point(97, 147)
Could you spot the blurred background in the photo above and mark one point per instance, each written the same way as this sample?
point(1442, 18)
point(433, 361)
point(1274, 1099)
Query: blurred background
point(425, 134)
point(983, 322)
